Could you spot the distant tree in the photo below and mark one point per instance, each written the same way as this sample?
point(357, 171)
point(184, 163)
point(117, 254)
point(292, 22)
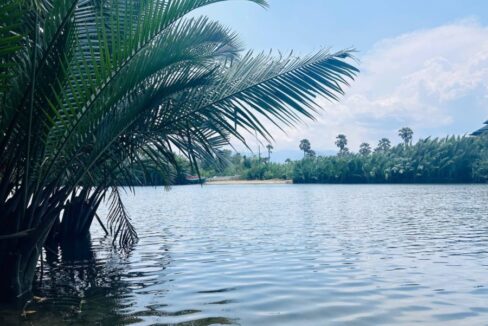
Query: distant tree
point(406, 135)
point(450, 159)
point(383, 145)
point(270, 148)
point(341, 142)
point(365, 149)
point(311, 154)
point(305, 146)
point(246, 162)
point(236, 159)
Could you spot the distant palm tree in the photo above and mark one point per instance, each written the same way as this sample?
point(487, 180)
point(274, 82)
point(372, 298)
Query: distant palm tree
point(406, 135)
point(365, 149)
point(341, 143)
point(270, 148)
point(384, 145)
point(305, 146)
point(449, 159)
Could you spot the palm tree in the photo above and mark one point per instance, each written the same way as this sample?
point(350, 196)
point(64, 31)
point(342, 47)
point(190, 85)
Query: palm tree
point(91, 89)
point(341, 142)
point(365, 149)
point(406, 135)
point(305, 146)
point(64, 123)
point(270, 148)
point(449, 159)
point(384, 145)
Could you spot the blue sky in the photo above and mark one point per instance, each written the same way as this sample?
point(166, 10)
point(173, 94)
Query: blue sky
point(424, 63)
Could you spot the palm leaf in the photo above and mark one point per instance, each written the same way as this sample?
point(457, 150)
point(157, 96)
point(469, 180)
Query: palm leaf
point(119, 222)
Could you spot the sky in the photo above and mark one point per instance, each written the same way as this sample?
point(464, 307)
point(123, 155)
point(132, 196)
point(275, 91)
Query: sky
point(424, 64)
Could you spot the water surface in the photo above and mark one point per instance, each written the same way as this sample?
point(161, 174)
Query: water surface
point(283, 255)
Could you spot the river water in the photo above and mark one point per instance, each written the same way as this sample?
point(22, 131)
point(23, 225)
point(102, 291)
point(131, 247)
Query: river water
point(281, 255)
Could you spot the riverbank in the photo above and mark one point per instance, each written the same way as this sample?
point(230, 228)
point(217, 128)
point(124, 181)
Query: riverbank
point(247, 182)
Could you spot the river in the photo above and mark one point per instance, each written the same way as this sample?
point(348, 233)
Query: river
point(282, 255)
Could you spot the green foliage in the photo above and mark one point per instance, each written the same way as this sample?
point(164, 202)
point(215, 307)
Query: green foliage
point(248, 168)
point(450, 159)
point(384, 144)
point(365, 149)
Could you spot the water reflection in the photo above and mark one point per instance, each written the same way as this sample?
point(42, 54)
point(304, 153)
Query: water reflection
point(79, 283)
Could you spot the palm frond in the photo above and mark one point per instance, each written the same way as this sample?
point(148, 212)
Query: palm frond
point(119, 222)
point(282, 91)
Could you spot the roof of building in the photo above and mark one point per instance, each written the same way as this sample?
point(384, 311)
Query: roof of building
point(482, 130)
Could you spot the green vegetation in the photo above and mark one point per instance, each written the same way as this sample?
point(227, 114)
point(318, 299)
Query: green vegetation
point(246, 167)
point(453, 159)
point(447, 160)
point(100, 94)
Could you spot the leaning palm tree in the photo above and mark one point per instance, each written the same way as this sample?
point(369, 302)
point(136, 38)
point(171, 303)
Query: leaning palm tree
point(65, 76)
point(90, 89)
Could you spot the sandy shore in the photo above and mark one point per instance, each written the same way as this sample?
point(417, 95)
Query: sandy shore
point(248, 182)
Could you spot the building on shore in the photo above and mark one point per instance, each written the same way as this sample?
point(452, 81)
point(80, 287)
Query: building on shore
point(482, 131)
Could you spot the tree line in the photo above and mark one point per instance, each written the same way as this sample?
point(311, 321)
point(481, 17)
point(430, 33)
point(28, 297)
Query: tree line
point(452, 159)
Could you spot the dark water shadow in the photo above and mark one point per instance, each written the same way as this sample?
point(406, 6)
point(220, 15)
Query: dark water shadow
point(77, 283)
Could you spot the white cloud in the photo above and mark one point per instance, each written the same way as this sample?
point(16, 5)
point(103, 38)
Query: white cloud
point(435, 81)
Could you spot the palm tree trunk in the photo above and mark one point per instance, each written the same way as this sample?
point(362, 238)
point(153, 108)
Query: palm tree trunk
point(18, 263)
point(19, 253)
point(21, 241)
point(78, 215)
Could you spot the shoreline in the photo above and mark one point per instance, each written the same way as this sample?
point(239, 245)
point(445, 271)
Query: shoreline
point(248, 182)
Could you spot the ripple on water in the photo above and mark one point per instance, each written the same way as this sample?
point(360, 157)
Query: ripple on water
point(284, 255)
